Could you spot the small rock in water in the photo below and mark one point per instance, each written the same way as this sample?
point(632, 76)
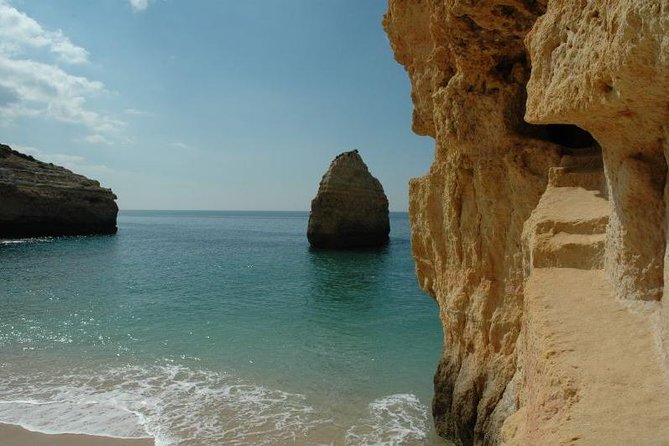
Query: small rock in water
point(350, 209)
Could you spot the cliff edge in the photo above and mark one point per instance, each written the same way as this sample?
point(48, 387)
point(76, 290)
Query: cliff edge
point(540, 228)
point(40, 199)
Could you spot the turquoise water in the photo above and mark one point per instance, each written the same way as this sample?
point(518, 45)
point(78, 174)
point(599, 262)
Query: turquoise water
point(217, 328)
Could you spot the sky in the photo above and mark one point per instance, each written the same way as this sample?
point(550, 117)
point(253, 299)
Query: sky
point(208, 104)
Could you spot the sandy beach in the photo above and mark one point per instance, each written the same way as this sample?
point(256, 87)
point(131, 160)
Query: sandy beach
point(11, 435)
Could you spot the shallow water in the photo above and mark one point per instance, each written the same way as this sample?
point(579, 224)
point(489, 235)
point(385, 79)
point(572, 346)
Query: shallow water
point(217, 328)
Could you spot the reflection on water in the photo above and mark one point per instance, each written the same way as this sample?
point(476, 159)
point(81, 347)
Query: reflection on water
point(343, 297)
point(354, 277)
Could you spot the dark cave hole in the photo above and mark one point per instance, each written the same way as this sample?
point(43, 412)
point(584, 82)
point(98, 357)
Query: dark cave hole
point(569, 136)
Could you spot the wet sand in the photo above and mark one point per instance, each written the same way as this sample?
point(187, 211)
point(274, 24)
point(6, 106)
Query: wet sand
point(11, 435)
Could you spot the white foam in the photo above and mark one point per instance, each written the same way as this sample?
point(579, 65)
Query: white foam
point(25, 240)
point(399, 419)
point(174, 404)
point(62, 416)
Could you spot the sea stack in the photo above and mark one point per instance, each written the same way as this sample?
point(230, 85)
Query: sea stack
point(40, 199)
point(350, 209)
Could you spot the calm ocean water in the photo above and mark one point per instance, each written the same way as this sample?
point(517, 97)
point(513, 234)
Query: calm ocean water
point(207, 328)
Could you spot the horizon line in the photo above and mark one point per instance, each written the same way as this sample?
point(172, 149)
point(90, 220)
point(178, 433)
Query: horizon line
point(230, 210)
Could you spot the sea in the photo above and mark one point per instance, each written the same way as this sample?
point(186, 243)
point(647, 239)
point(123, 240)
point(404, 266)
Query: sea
point(217, 328)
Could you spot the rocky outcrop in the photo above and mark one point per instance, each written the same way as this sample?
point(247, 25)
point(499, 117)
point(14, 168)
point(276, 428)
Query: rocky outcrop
point(546, 201)
point(40, 199)
point(605, 68)
point(586, 361)
point(350, 209)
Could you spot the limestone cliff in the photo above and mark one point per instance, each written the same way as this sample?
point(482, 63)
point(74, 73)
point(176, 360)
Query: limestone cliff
point(540, 226)
point(350, 209)
point(40, 199)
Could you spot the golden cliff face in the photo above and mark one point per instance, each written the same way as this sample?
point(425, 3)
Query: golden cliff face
point(604, 66)
point(520, 197)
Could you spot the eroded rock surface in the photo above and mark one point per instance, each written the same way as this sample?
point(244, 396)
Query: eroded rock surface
point(508, 209)
point(40, 199)
point(604, 66)
point(350, 209)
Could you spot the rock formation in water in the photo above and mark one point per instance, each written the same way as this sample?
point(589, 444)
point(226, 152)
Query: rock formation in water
point(350, 209)
point(40, 199)
point(540, 228)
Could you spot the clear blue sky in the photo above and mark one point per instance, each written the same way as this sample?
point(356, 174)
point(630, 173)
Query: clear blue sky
point(207, 104)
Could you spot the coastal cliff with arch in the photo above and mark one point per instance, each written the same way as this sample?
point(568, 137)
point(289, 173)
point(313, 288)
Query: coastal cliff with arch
point(540, 228)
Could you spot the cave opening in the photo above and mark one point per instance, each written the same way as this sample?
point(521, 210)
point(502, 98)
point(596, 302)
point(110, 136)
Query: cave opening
point(569, 136)
point(579, 155)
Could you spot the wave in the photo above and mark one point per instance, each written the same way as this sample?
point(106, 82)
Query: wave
point(177, 405)
point(173, 404)
point(22, 241)
point(399, 419)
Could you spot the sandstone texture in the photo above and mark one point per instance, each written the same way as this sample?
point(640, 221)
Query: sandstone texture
point(350, 209)
point(40, 199)
point(540, 228)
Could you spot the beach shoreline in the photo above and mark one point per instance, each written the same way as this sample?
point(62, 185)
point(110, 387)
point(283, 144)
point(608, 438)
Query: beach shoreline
point(14, 435)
